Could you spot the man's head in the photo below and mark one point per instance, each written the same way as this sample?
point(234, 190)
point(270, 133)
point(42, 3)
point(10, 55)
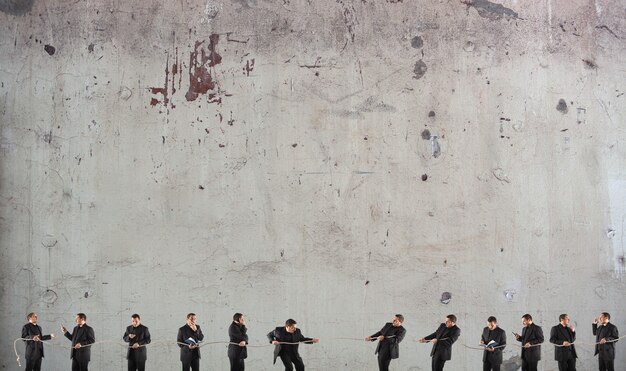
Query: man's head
point(32, 318)
point(397, 320)
point(191, 319)
point(605, 318)
point(564, 319)
point(135, 320)
point(527, 320)
point(237, 317)
point(81, 318)
point(492, 323)
point(291, 325)
point(450, 320)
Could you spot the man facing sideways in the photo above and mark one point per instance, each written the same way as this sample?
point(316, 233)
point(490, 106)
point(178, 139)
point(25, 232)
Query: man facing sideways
point(286, 340)
point(34, 346)
point(494, 341)
point(82, 337)
point(563, 336)
point(237, 351)
point(188, 339)
point(389, 338)
point(137, 336)
point(442, 340)
point(606, 335)
point(531, 337)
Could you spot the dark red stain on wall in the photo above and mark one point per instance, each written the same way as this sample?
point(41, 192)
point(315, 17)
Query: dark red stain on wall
point(201, 71)
point(163, 90)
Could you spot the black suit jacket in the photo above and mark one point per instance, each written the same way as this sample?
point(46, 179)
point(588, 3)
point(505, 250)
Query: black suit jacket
point(184, 333)
point(532, 334)
point(142, 337)
point(606, 352)
point(83, 335)
point(237, 334)
point(281, 334)
point(392, 343)
point(559, 334)
point(442, 349)
point(34, 349)
point(499, 336)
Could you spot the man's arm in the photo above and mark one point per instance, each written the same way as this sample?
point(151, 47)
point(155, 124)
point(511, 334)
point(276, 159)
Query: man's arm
point(554, 338)
point(90, 336)
point(613, 334)
point(180, 338)
point(199, 334)
point(125, 337)
point(146, 337)
point(399, 336)
point(272, 336)
point(452, 338)
point(538, 338)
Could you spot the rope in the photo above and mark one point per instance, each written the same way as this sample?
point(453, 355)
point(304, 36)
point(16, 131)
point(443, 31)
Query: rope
point(202, 344)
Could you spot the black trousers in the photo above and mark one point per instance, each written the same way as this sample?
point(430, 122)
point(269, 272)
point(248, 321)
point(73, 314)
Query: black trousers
point(437, 364)
point(529, 365)
point(383, 362)
point(136, 365)
point(288, 359)
point(569, 365)
point(488, 366)
point(237, 364)
point(606, 365)
point(33, 364)
point(79, 366)
point(192, 365)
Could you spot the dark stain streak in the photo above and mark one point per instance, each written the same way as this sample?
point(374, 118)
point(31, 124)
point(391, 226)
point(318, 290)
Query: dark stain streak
point(234, 40)
point(90, 48)
point(417, 42)
point(489, 10)
point(201, 187)
point(604, 27)
point(294, 145)
point(590, 64)
point(419, 70)
point(249, 67)
point(49, 49)
point(14, 7)
point(162, 139)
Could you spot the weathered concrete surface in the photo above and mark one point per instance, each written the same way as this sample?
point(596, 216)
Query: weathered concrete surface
point(331, 161)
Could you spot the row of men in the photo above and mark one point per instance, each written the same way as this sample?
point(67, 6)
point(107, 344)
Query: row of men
point(287, 338)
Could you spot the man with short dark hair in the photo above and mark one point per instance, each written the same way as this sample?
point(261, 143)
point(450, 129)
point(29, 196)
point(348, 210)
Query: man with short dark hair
point(442, 340)
point(137, 336)
point(606, 335)
point(389, 338)
point(34, 346)
point(494, 341)
point(82, 337)
point(237, 351)
point(286, 340)
point(531, 337)
point(188, 339)
point(563, 336)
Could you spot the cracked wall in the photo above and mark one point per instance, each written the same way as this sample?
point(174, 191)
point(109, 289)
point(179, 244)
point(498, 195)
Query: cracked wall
point(332, 161)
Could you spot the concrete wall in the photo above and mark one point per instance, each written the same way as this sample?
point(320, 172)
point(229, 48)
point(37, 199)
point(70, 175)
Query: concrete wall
point(332, 161)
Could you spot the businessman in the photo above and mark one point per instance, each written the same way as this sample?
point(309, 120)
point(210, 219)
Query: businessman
point(389, 338)
point(442, 340)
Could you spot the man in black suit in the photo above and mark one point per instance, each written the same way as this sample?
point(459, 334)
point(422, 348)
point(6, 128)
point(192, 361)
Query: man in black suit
point(442, 340)
point(189, 338)
point(606, 335)
point(82, 337)
point(531, 337)
point(137, 336)
point(563, 336)
point(237, 351)
point(286, 340)
point(34, 346)
point(389, 338)
point(494, 341)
